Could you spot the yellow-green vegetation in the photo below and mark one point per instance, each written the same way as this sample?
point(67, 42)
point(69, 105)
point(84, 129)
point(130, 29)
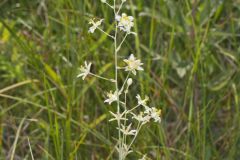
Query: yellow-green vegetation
point(191, 55)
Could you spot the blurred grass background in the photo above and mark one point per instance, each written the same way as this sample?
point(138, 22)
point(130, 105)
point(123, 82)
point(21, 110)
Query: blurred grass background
point(191, 54)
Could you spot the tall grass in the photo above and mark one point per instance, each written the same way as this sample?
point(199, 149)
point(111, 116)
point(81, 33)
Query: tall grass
point(191, 54)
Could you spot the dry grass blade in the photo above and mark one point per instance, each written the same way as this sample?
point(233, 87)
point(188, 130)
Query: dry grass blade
point(14, 86)
point(14, 146)
point(30, 148)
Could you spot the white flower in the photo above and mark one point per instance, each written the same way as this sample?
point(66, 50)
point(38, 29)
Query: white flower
point(103, 1)
point(133, 64)
point(112, 97)
point(127, 130)
point(155, 114)
point(125, 22)
point(117, 116)
point(141, 101)
point(94, 25)
point(84, 70)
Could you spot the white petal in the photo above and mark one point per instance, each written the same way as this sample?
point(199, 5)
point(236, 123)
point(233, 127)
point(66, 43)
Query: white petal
point(131, 18)
point(118, 17)
point(131, 57)
point(140, 68)
point(124, 14)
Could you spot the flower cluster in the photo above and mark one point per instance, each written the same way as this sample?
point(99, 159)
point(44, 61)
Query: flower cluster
point(148, 114)
point(124, 113)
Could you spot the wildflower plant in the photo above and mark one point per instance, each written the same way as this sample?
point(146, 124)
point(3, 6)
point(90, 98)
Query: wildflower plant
point(129, 119)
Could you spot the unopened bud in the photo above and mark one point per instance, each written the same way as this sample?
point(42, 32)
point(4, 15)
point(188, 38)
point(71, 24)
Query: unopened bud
point(129, 81)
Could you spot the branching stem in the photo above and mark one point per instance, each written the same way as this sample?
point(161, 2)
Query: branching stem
point(105, 33)
point(109, 5)
point(116, 80)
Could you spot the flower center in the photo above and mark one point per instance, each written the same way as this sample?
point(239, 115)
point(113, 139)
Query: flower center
point(125, 19)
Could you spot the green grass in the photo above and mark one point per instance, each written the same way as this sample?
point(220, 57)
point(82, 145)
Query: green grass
point(191, 56)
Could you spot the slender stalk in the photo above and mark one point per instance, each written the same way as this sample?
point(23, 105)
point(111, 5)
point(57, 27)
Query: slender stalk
point(120, 45)
point(120, 7)
point(138, 129)
point(100, 77)
point(125, 108)
point(122, 88)
point(109, 5)
point(105, 33)
point(133, 108)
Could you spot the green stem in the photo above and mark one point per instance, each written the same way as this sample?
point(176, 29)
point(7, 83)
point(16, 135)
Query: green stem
point(100, 77)
point(116, 80)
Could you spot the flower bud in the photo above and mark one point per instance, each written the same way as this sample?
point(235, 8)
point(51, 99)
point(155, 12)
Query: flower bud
point(129, 81)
